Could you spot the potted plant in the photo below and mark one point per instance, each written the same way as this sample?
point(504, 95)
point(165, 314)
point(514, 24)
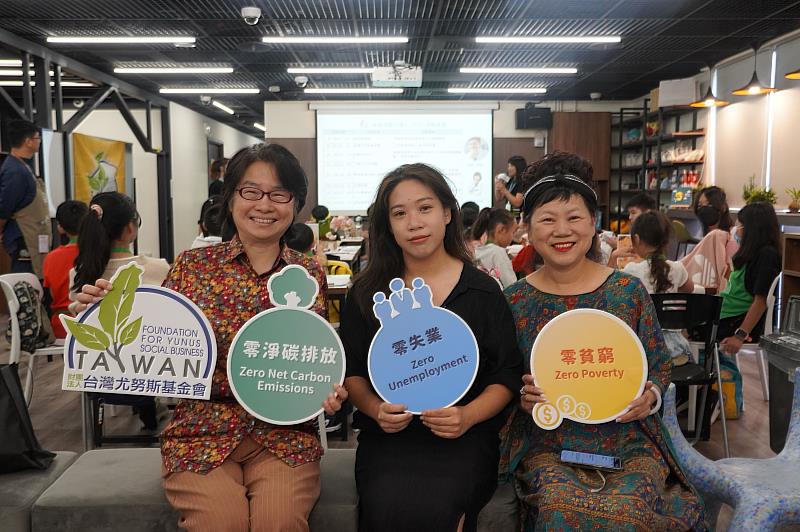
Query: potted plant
point(794, 193)
point(753, 193)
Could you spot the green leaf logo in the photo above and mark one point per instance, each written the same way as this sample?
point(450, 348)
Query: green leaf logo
point(130, 332)
point(115, 308)
point(86, 335)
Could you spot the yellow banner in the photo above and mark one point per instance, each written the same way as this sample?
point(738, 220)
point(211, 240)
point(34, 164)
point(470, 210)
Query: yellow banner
point(99, 166)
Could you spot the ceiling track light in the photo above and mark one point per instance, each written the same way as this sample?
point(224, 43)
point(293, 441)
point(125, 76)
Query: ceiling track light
point(556, 39)
point(121, 40)
point(208, 90)
point(331, 70)
point(173, 70)
point(518, 70)
point(222, 106)
point(260, 126)
point(334, 40)
point(497, 90)
point(354, 91)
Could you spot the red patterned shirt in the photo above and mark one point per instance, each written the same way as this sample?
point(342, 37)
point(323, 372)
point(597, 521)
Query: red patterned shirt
point(221, 281)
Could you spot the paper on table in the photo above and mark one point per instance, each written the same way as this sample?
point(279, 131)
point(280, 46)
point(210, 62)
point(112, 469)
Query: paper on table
point(338, 280)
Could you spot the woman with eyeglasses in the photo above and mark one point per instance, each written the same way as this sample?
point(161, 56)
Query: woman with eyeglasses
point(651, 492)
point(222, 468)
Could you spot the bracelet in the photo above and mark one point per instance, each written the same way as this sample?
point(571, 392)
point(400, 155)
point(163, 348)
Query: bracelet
point(658, 400)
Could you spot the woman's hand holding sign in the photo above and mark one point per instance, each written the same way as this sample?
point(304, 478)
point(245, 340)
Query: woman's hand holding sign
point(333, 403)
point(90, 294)
point(450, 422)
point(641, 407)
point(392, 418)
point(530, 394)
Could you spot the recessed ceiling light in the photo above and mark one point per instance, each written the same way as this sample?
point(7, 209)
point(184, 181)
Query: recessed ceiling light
point(120, 40)
point(332, 70)
point(564, 39)
point(498, 90)
point(260, 126)
point(173, 70)
point(354, 91)
point(518, 70)
point(208, 90)
point(222, 106)
point(335, 40)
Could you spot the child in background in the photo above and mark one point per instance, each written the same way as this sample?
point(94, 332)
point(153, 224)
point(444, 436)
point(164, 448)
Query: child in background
point(210, 223)
point(498, 225)
point(300, 238)
point(650, 234)
point(59, 262)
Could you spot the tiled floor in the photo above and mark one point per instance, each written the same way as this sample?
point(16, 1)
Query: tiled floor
point(56, 418)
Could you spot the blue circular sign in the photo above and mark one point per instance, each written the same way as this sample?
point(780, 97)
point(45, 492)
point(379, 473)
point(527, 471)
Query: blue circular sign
point(423, 356)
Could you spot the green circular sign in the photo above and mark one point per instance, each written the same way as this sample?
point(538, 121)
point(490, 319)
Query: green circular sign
point(283, 363)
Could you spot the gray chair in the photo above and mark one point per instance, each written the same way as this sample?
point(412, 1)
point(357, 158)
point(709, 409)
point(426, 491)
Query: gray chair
point(19, 491)
point(120, 490)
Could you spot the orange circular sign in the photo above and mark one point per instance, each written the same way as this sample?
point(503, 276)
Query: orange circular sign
point(589, 377)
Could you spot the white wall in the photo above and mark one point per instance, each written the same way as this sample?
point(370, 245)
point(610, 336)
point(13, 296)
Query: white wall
point(295, 120)
point(109, 124)
point(190, 166)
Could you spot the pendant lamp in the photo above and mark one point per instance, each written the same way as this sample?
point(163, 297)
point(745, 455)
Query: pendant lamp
point(754, 86)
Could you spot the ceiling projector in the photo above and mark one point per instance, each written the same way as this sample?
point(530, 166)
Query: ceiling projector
point(398, 75)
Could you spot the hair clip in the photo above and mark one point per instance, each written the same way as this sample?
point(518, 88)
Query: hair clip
point(97, 210)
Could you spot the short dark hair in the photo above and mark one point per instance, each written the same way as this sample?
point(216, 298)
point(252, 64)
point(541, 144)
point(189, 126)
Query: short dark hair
point(69, 216)
point(469, 213)
point(518, 162)
point(212, 220)
point(216, 168)
point(300, 238)
point(288, 169)
point(19, 131)
point(215, 199)
point(642, 200)
point(320, 212)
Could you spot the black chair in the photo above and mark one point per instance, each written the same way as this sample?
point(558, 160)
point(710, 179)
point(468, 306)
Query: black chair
point(97, 403)
point(697, 313)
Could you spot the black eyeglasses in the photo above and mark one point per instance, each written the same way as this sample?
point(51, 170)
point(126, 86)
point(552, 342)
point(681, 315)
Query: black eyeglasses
point(255, 194)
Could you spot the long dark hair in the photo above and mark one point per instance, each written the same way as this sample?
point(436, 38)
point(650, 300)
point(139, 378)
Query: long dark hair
point(109, 215)
point(561, 163)
point(654, 229)
point(760, 227)
point(518, 162)
point(287, 167)
point(717, 199)
point(385, 256)
point(488, 220)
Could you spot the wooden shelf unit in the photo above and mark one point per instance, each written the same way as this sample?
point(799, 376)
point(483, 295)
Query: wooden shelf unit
point(791, 267)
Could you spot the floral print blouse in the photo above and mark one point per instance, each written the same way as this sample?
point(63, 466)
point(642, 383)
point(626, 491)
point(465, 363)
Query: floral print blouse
point(221, 281)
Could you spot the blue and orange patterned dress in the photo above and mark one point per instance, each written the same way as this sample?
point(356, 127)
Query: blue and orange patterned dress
point(651, 493)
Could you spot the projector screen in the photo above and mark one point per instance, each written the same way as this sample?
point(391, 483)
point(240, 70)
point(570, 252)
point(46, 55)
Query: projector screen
point(356, 150)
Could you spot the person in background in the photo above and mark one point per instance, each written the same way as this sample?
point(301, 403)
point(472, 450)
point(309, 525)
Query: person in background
point(435, 471)
point(24, 215)
point(639, 204)
point(525, 261)
point(210, 223)
point(321, 215)
point(711, 208)
point(469, 213)
point(60, 261)
point(106, 235)
point(651, 493)
point(498, 226)
point(511, 194)
point(217, 175)
point(755, 266)
point(300, 238)
point(222, 468)
point(650, 234)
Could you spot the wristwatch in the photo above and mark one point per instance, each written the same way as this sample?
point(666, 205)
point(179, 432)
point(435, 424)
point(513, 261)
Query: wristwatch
point(741, 334)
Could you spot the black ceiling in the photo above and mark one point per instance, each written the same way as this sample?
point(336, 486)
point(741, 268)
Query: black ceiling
point(661, 39)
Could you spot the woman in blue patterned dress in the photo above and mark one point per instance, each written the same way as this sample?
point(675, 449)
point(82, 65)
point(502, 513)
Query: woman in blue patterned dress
point(650, 492)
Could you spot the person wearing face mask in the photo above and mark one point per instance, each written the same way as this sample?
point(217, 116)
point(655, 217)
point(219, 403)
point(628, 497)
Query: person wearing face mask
point(651, 493)
point(711, 208)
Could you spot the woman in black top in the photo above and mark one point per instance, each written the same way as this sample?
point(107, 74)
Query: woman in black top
point(512, 192)
point(435, 471)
